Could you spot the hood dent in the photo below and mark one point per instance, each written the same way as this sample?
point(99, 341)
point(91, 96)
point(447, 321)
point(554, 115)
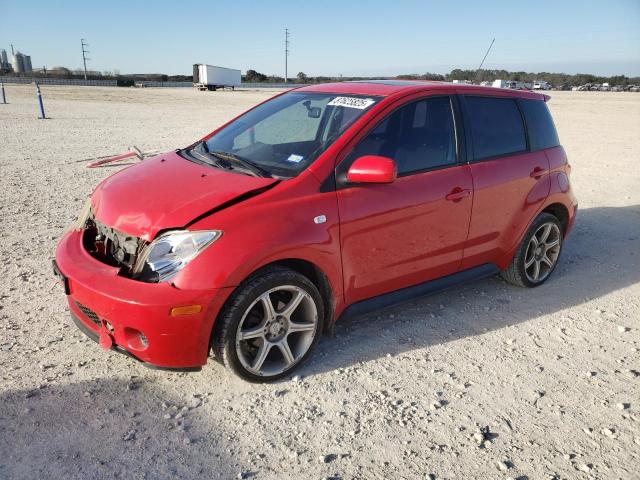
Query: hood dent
point(168, 192)
point(229, 203)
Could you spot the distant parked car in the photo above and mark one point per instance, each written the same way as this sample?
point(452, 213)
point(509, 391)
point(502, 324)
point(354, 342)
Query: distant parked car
point(617, 88)
point(595, 87)
point(325, 201)
point(634, 88)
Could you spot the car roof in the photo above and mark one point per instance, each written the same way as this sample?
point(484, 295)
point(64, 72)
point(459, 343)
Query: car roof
point(386, 88)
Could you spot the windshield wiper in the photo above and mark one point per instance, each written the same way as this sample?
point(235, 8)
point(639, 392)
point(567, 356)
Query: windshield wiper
point(201, 151)
point(242, 162)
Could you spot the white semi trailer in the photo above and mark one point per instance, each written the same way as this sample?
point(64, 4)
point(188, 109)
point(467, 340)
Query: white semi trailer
point(210, 77)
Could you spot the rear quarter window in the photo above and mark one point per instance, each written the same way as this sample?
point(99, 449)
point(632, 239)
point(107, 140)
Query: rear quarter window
point(496, 126)
point(542, 131)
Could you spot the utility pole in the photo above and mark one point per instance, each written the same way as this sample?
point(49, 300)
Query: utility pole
point(84, 56)
point(286, 53)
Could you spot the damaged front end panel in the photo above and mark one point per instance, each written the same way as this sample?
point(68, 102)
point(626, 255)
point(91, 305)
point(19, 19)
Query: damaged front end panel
point(110, 246)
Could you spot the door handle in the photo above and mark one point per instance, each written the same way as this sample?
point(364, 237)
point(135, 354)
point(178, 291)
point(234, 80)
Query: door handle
point(538, 172)
point(457, 194)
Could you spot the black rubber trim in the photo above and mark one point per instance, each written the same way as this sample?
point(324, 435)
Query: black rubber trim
point(411, 293)
point(116, 348)
point(60, 276)
point(329, 184)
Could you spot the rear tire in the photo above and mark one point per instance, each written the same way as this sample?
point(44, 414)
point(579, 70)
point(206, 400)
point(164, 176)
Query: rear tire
point(270, 325)
point(538, 253)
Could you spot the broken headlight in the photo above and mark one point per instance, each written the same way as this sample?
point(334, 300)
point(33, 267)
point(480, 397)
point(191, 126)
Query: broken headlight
point(163, 258)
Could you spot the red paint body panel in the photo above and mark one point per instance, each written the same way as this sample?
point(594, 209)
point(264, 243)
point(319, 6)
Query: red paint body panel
point(165, 192)
point(404, 233)
point(561, 192)
point(257, 233)
point(376, 238)
point(505, 201)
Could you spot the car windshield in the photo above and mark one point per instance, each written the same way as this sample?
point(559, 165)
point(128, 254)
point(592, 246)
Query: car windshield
point(284, 136)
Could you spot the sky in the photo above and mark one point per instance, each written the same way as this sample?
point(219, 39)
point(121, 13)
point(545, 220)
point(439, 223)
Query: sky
point(350, 38)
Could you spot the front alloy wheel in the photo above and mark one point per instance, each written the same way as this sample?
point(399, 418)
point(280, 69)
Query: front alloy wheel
point(277, 330)
point(269, 326)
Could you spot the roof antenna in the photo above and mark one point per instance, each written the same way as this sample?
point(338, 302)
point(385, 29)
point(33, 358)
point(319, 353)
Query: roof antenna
point(483, 59)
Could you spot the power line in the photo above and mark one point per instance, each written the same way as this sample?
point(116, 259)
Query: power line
point(286, 54)
point(84, 56)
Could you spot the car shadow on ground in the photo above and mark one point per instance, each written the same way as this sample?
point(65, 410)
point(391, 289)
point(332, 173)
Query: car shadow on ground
point(599, 257)
point(107, 428)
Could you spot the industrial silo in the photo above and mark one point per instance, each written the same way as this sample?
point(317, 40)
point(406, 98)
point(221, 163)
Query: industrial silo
point(27, 64)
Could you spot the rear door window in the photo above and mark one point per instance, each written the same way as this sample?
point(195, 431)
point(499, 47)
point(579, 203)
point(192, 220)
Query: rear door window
point(496, 126)
point(418, 136)
point(542, 131)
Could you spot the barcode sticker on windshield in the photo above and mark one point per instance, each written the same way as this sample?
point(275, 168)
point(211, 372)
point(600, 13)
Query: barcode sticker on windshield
point(351, 102)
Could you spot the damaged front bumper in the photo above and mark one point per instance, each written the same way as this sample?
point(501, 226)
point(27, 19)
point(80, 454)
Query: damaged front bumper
point(117, 348)
point(135, 317)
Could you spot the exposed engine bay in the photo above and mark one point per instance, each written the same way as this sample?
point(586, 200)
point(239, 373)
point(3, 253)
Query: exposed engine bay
point(111, 246)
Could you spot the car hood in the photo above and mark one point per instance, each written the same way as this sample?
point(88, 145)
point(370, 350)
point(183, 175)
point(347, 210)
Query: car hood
point(167, 191)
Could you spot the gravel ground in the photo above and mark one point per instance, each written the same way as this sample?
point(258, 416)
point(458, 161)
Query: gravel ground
point(484, 381)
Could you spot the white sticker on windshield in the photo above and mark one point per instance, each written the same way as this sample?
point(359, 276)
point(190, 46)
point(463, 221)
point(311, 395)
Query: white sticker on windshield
point(295, 158)
point(352, 102)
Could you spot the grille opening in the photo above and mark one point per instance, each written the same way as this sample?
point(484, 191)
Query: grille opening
point(90, 314)
point(111, 246)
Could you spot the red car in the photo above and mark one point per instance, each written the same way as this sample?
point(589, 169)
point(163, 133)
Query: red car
point(322, 202)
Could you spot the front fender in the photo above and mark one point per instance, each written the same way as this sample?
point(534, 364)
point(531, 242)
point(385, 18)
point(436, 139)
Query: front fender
point(273, 226)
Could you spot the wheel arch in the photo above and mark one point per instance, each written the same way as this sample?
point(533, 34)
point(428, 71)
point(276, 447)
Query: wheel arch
point(315, 274)
point(309, 270)
point(559, 211)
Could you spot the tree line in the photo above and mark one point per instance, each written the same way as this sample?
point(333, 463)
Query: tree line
point(253, 76)
point(556, 79)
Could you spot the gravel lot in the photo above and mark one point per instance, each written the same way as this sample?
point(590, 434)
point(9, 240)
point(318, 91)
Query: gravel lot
point(484, 381)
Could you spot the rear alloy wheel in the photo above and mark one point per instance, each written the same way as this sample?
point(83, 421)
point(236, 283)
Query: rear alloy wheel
point(542, 252)
point(271, 325)
point(538, 254)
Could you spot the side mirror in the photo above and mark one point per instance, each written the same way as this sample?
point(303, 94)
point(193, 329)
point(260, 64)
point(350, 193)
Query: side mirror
point(372, 169)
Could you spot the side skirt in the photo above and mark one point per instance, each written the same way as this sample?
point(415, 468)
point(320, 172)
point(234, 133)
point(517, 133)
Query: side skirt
point(407, 294)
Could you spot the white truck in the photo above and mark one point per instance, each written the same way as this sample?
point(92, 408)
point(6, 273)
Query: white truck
point(210, 77)
point(541, 85)
point(502, 83)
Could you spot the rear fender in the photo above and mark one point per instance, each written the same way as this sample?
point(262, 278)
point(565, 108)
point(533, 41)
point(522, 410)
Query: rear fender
point(560, 192)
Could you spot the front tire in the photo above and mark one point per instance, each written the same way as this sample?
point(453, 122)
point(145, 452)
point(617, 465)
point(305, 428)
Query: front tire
point(537, 255)
point(269, 326)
